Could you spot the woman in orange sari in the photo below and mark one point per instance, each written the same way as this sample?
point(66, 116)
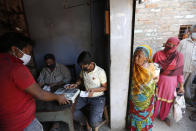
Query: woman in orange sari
point(141, 102)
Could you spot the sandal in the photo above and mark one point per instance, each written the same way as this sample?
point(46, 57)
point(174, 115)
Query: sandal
point(167, 121)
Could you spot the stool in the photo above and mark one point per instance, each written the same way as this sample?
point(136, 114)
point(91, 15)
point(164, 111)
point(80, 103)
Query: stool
point(106, 117)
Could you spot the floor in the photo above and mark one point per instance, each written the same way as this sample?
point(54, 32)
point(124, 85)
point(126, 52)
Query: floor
point(183, 125)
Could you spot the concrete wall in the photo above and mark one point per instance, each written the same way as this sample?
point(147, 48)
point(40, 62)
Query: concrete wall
point(157, 20)
point(62, 31)
point(120, 46)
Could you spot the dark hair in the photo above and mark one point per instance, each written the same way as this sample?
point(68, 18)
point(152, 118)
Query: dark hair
point(10, 39)
point(84, 58)
point(49, 56)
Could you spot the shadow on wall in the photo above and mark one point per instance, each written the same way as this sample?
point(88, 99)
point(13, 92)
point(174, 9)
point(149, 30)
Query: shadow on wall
point(65, 50)
point(63, 32)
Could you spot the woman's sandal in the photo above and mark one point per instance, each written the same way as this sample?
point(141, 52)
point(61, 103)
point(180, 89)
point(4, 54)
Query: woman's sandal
point(167, 121)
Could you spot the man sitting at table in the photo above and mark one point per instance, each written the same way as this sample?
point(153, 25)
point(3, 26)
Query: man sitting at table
point(54, 74)
point(95, 83)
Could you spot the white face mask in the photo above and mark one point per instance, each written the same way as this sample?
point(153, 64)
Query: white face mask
point(25, 58)
point(193, 35)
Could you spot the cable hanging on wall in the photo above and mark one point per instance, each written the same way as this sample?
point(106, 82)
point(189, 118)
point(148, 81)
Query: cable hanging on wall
point(75, 3)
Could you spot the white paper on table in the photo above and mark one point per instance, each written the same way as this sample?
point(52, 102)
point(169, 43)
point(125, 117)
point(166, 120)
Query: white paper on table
point(83, 94)
point(46, 88)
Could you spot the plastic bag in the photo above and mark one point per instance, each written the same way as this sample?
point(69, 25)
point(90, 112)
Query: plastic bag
point(179, 107)
point(157, 69)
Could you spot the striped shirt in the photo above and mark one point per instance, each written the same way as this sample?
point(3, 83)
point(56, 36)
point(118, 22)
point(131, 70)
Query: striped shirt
point(188, 48)
point(60, 73)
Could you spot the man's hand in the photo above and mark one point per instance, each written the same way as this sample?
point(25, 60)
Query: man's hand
point(100, 89)
point(62, 100)
point(76, 84)
point(91, 92)
point(72, 86)
point(40, 94)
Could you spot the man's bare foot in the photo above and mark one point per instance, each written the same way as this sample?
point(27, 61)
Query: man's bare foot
point(88, 127)
point(167, 121)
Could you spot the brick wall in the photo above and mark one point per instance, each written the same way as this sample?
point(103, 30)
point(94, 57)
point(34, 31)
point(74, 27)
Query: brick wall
point(157, 20)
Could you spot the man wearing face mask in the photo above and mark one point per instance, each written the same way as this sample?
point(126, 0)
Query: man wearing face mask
point(18, 87)
point(188, 48)
point(54, 74)
point(95, 82)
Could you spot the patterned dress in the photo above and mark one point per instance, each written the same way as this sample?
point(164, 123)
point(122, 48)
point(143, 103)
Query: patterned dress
point(141, 101)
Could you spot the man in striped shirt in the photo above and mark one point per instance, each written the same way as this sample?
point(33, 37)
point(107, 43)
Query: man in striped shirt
point(54, 74)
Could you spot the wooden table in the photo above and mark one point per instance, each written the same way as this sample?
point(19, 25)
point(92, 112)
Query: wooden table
point(52, 111)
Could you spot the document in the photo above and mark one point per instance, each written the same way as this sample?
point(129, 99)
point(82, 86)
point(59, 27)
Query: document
point(83, 94)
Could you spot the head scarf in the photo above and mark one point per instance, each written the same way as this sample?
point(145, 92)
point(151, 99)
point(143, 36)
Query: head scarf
point(141, 75)
point(172, 40)
point(170, 60)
